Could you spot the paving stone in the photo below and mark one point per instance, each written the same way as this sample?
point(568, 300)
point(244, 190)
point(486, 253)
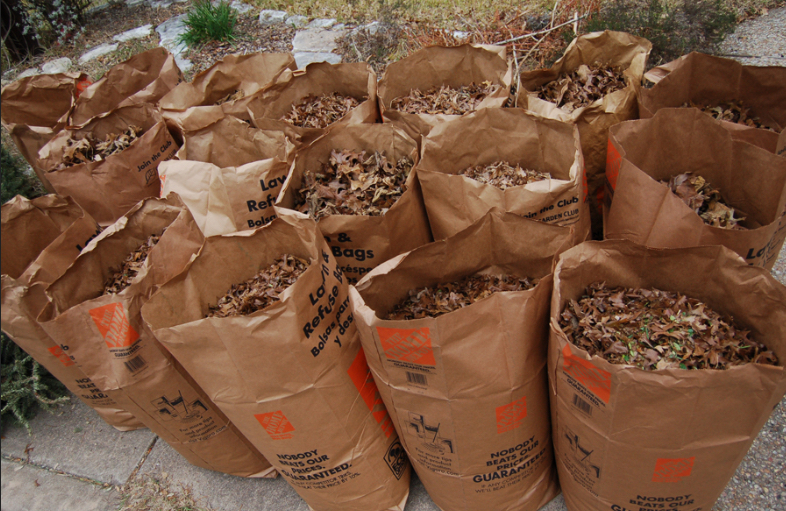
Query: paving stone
point(169, 31)
point(240, 7)
point(60, 65)
point(161, 4)
point(316, 40)
point(322, 23)
point(29, 488)
point(304, 58)
point(372, 28)
point(269, 16)
point(29, 72)
point(297, 21)
point(134, 33)
point(98, 51)
point(183, 64)
point(76, 440)
point(134, 3)
point(460, 36)
point(339, 26)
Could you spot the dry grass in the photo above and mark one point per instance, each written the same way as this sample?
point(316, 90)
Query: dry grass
point(148, 493)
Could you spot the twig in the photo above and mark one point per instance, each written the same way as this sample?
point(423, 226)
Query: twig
point(518, 74)
point(533, 34)
point(554, 13)
point(748, 56)
point(530, 53)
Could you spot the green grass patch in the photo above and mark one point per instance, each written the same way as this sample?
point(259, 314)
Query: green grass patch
point(207, 22)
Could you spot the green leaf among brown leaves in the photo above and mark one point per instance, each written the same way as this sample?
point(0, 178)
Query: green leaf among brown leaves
point(430, 302)
point(653, 329)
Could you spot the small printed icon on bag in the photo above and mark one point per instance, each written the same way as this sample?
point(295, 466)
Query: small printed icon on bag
point(396, 459)
point(412, 345)
point(671, 470)
point(511, 415)
point(276, 425)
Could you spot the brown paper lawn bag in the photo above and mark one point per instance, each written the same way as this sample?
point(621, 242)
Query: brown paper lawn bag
point(678, 140)
point(108, 188)
point(268, 106)
point(606, 48)
point(291, 376)
point(439, 66)
point(229, 199)
point(361, 242)
point(635, 440)
point(226, 86)
point(706, 80)
point(454, 201)
point(467, 390)
point(36, 108)
point(105, 336)
point(41, 238)
point(144, 78)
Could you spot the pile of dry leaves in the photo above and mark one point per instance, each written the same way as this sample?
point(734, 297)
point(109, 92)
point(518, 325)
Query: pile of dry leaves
point(503, 175)
point(261, 290)
point(232, 96)
point(89, 149)
point(430, 302)
point(653, 329)
point(320, 111)
point(582, 87)
point(731, 111)
point(444, 99)
point(353, 184)
point(705, 200)
point(130, 267)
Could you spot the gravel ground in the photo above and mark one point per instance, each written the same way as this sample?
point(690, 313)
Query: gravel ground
point(763, 42)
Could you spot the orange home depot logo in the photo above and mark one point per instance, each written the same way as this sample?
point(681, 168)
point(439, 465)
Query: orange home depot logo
point(510, 416)
point(585, 183)
point(81, 86)
point(595, 379)
point(364, 382)
point(60, 355)
point(613, 162)
point(276, 425)
point(411, 345)
point(113, 324)
point(668, 470)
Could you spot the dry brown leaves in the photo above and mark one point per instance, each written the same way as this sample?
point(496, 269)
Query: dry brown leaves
point(653, 329)
point(353, 183)
point(430, 302)
point(261, 290)
point(130, 267)
point(444, 99)
point(232, 96)
point(320, 111)
point(503, 175)
point(705, 200)
point(582, 87)
point(89, 149)
point(731, 111)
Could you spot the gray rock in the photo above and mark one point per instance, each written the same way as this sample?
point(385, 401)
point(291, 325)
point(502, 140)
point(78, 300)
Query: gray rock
point(339, 26)
point(240, 7)
point(135, 33)
point(316, 40)
point(57, 66)
point(98, 51)
point(33, 71)
point(297, 21)
point(169, 31)
point(269, 17)
point(160, 4)
point(134, 3)
point(183, 64)
point(304, 58)
point(322, 23)
point(458, 35)
point(372, 28)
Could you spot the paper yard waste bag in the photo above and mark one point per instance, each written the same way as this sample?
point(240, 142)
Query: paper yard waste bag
point(36, 108)
point(360, 241)
point(607, 48)
point(634, 439)
point(41, 238)
point(291, 376)
point(109, 187)
point(268, 107)
point(229, 199)
point(708, 81)
point(750, 179)
point(226, 86)
point(144, 78)
point(467, 391)
point(106, 338)
point(492, 135)
point(439, 66)
point(212, 137)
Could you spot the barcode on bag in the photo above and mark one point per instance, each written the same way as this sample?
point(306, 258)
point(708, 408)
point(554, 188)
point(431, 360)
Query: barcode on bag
point(416, 378)
point(135, 364)
point(582, 405)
